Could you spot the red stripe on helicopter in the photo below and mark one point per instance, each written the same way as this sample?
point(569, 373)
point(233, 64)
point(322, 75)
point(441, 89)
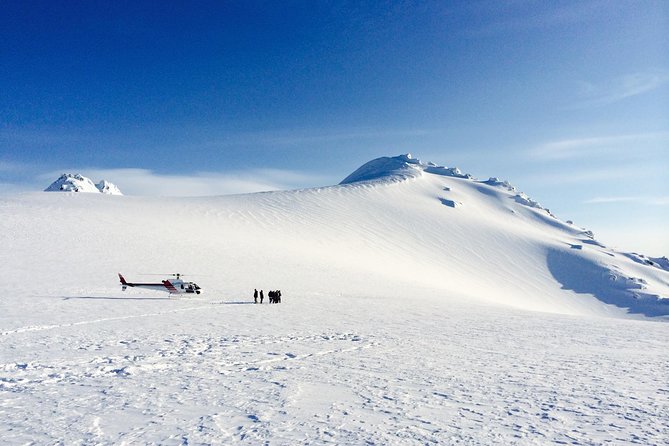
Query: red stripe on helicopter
point(169, 286)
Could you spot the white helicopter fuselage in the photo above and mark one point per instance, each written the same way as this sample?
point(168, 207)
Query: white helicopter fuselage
point(174, 286)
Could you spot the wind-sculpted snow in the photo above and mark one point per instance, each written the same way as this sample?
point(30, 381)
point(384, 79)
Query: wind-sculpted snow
point(659, 262)
point(494, 181)
point(404, 167)
point(418, 308)
point(398, 168)
point(386, 168)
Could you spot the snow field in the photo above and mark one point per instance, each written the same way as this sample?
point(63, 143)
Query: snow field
point(411, 371)
point(418, 309)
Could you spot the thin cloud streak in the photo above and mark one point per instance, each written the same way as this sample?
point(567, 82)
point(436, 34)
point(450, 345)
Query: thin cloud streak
point(525, 16)
point(618, 89)
point(646, 200)
point(598, 145)
point(589, 176)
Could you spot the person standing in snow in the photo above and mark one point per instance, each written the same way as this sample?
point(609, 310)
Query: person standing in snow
point(255, 296)
point(262, 296)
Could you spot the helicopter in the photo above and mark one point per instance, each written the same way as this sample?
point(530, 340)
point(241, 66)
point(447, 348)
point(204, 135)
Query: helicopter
point(172, 286)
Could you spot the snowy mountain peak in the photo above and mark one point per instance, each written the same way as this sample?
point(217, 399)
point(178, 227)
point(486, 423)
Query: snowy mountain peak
point(403, 167)
point(69, 182)
point(109, 188)
point(72, 183)
point(399, 168)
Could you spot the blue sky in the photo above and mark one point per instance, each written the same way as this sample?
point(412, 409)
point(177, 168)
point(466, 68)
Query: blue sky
point(568, 100)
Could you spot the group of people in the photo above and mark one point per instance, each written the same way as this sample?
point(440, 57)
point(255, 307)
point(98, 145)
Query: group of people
point(274, 296)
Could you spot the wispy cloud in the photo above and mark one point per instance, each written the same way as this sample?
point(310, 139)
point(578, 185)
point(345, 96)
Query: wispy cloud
point(646, 200)
point(646, 143)
point(147, 182)
point(201, 137)
point(618, 89)
point(519, 16)
point(572, 176)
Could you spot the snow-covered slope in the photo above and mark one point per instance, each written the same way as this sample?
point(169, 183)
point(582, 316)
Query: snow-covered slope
point(393, 225)
point(68, 182)
point(520, 242)
point(405, 319)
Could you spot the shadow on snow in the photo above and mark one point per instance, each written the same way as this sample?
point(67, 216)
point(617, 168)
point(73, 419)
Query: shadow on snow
point(585, 276)
point(112, 298)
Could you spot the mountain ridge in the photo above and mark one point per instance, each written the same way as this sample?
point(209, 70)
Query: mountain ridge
point(69, 182)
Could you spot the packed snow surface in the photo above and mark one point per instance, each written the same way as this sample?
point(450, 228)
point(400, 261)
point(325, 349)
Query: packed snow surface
point(419, 306)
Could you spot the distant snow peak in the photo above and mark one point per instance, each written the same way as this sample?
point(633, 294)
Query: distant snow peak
point(107, 187)
point(72, 183)
point(69, 182)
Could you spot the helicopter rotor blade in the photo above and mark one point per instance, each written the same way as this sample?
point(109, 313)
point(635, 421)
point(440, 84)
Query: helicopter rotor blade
point(174, 274)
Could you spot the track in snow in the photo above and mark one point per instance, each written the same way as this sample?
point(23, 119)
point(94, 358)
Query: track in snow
point(381, 372)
